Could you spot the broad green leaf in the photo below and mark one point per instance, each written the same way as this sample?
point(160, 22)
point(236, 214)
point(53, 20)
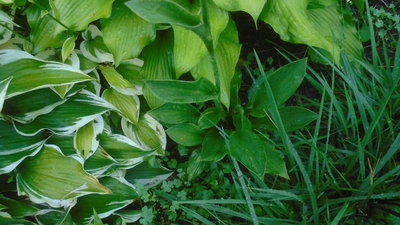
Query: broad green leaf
point(6, 1)
point(85, 138)
point(6, 27)
point(93, 47)
point(45, 31)
point(128, 106)
point(77, 14)
point(54, 217)
point(52, 178)
point(68, 117)
point(65, 143)
point(117, 81)
point(9, 220)
point(159, 65)
point(195, 166)
point(210, 117)
point(293, 118)
point(96, 219)
point(123, 149)
point(67, 48)
point(252, 7)
point(227, 55)
point(189, 48)
point(171, 113)
point(3, 90)
point(186, 134)
point(249, 149)
point(177, 91)
point(213, 147)
point(99, 162)
point(164, 11)
point(26, 107)
point(126, 34)
point(122, 194)
point(148, 133)
point(360, 5)
point(284, 82)
point(148, 174)
point(14, 148)
point(30, 73)
point(275, 165)
point(316, 23)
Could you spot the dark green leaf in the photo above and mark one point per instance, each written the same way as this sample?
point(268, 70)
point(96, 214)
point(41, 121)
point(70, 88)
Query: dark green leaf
point(186, 134)
point(171, 113)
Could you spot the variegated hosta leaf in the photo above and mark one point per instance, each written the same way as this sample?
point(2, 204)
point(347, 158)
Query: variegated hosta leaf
point(126, 34)
point(6, 27)
point(148, 133)
point(6, 1)
point(122, 194)
point(124, 150)
point(14, 148)
point(30, 73)
point(252, 7)
point(68, 47)
point(159, 65)
point(189, 48)
point(117, 81)
point(26, 107)
point(129, 216)
point(55, 179)
point(131, 70)
point(77, 14)
point(128, 106)
point(3, 90)
point(93, 47)
point(148, 174)
point(99, 162)
point(316, 23)
point(45, 31)
point(85, 138)
point(68, 117)
point(65, 143)
point(227, 56)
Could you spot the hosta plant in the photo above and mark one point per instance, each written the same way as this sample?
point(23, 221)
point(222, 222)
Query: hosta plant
point(78, 78)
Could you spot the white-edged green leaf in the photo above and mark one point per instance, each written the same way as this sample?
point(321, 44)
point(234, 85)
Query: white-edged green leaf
point(124, 150)
point(189, 48)
point(252, 7)
point(126, 34)
point(122, 194)
point(159, 65)
point(148, 174)
point(227, 55)
point(68, 117)
point(3, 91)
point(14, 148)
point(93, 47)
point(30, 73)
point(178, 91)
point(131, 70)
point(117, 81)
point(77, 14)
point(6, 27)
point(186, 134)
point(68, 47)
point(128, 105)
point(52, 178)
point(18, 208)
point(129, 216)
point(99, 162)
point(148, 133)
point(85, 138)
point(317, 23)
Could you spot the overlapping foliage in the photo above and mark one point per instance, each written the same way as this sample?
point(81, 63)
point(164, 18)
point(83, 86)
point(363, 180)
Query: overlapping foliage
point(81, 93)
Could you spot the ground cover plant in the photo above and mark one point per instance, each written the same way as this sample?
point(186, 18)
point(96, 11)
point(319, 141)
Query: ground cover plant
point(155, 112)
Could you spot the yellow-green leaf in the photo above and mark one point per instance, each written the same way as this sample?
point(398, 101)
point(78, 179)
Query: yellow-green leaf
point(127, 105)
